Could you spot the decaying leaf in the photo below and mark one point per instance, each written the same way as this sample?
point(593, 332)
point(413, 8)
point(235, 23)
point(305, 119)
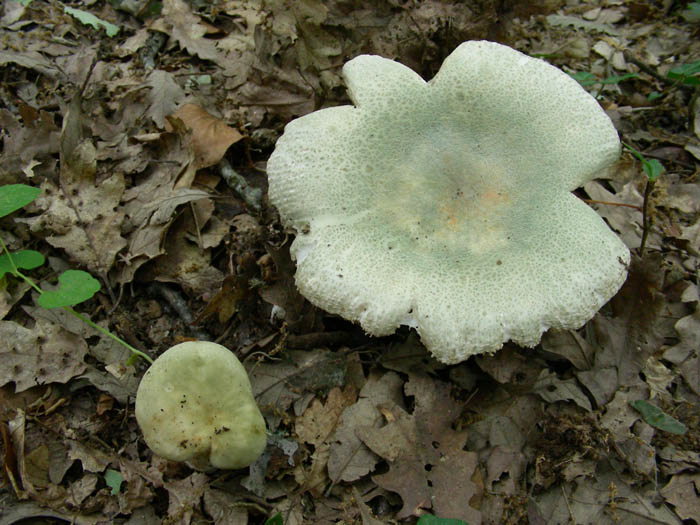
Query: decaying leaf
point(164, 96)
point(184, 496)
point(683, 492)
point(42, 354)
point(607, 499)
point(685, 354)
point(427, 464)
point(184, 262)
point(136, 124)
point(82, 216)
point(211, 137)
point(315, 426)
point(187, 29)
point(350, 458)
point(550, 388)
point(276, 386)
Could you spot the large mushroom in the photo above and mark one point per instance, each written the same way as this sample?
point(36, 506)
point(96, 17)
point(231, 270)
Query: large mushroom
point(195, 404)
point(446, 205)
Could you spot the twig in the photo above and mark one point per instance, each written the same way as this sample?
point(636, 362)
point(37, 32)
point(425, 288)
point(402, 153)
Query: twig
point(608, 203)
point(645, 215)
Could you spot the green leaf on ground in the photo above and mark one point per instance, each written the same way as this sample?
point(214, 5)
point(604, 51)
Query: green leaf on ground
point(584, 78)
point(275, 520)
point(687, 73)
point(74, 287)
point(657, 418)
point(16, 196)
point(23, 259)
point(429, 519)
point(91, 20)
point(616, 79)
point(692, 14)
point(114, 479)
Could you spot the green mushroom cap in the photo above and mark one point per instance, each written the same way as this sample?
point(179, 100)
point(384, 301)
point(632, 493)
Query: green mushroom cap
point(195, 404)
point(446, 205)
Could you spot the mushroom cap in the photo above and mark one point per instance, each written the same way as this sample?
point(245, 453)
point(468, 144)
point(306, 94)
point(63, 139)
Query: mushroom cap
point(195, 404)
point(446, 205)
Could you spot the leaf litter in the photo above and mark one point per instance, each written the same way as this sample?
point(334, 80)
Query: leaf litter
point(149, 148)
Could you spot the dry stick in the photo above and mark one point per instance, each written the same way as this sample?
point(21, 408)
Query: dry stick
point(645, 215)
point(608, 203)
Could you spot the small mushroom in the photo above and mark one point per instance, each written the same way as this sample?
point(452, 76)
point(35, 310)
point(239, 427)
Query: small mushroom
point(446, 205)
point(195, 404)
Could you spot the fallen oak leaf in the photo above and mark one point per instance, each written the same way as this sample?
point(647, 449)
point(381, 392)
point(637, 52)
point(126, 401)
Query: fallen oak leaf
point(211, 137)
point(45, 353)
point(428, 467)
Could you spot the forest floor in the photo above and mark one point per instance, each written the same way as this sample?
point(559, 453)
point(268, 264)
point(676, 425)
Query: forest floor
point(147, 127)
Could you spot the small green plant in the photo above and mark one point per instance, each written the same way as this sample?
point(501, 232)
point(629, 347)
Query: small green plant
point(275, 520)
point(74, 286)
point(586, 79)
point(653, 170)
point(688, 74)
point(692, 12)
point(654, 95)
point(429, 519)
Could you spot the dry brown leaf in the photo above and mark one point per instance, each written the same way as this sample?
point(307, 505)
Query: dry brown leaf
point(26, 144)
point(319, 420)
point(92, 235)
point(184, 496)
point(569, 345)
point(222, 507)
point(42, 354)
point(211, 137)
point(315, 426)
point(92, 459)
point(428, 465)
point(164, 96)
point(608, 499)
point(627, 221)
point(552, 389)
point(149, 206)
point(350, 458)
point(625, 341)
point(81, 214)
point(278, 385)
point(509, 366)
point(187, 29)
point(683, 492)
point(185, 263)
